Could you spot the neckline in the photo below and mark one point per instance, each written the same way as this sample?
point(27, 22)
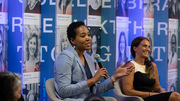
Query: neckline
point(138, 63)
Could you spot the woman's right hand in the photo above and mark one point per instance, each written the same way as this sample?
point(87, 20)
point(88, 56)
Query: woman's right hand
point(102, 72)
point(97, 77)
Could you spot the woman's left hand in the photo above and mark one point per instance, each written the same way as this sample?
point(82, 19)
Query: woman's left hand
point(162, 90)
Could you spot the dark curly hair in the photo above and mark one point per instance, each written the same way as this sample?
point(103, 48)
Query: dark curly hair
point(149, 67)
point(71, 30)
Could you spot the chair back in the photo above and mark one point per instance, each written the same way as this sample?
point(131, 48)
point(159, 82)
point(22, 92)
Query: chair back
point(118, 93)
point(50, 89)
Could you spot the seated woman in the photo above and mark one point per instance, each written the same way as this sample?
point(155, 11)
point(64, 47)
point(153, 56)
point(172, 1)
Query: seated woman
point(10, 87)
point(75, 78)
point(143, 81)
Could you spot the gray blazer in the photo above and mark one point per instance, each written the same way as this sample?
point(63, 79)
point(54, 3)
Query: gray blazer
point(70, 76)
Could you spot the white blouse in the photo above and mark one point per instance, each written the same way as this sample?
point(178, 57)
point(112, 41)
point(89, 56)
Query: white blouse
point(139, 67)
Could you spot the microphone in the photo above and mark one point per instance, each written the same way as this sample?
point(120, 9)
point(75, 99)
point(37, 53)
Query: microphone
point(97, 57)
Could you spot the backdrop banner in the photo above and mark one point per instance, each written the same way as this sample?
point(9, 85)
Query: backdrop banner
point(31, 49)
point(107, 48)
point(79, 10)
point(172, 50)
point(160, 39)
point(47, 44)
point(15, 35)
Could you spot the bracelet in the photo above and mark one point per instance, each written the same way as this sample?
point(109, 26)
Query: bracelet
point(161, 90)
point(113, 79)
point(149, 93)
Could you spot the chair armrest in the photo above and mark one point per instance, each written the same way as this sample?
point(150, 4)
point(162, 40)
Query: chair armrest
point(122, 97)
point(110, 99)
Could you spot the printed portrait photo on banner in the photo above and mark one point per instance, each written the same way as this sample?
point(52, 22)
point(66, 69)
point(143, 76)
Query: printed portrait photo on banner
point(61, 39)
point(122, 49)
point(64, 41)
point(64, 7)
point(3, 5)
point(122, 8)
point(149, 8)
point(172, 84)
point(172, 54)
point(173, 9)
point(95, 44)
point(3, 48)
point(31, 92)
point(32, 6)
point(94, 7)
point(31, 49)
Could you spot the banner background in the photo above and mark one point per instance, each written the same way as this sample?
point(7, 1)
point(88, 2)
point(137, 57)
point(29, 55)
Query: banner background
point(47, 44)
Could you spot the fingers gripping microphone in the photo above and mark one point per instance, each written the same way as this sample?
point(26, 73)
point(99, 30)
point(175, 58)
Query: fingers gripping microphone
point(97, 57)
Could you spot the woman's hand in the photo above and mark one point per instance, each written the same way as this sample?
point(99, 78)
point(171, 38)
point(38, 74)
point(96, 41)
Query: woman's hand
point(97, 77)
point(102, 72)
point(120, 72)
point(162, 90)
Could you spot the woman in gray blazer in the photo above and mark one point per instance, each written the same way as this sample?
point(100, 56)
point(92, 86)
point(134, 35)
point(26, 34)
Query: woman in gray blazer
point(75, 78)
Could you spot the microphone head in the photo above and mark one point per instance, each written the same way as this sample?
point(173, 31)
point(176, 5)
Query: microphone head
point(96, 56)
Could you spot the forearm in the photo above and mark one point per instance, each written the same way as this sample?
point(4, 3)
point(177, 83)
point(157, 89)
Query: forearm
point(104, 86)
point(158, 89)
point(139, 93)
point(67, 87)
point(91, 82)
point(73, 89)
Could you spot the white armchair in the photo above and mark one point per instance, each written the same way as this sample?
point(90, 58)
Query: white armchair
point(51, 90)
point(52, 96)
point(120, 96)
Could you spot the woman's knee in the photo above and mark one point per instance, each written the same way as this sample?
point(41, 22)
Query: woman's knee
point(175, 96)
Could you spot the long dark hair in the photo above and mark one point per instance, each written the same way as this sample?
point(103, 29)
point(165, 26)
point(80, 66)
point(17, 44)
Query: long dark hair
point(149, 66)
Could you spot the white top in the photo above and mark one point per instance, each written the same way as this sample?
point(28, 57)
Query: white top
point(139, 67)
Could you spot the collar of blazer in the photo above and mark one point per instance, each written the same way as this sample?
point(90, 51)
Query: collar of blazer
point(88, 60)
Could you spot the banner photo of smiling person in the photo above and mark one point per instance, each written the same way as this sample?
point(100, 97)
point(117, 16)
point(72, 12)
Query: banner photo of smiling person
point(93, 12)
point(31, 64)
point(31, 47)
point(172, 60)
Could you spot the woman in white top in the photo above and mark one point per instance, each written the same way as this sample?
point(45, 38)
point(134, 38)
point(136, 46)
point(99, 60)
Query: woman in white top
point(143, 81)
